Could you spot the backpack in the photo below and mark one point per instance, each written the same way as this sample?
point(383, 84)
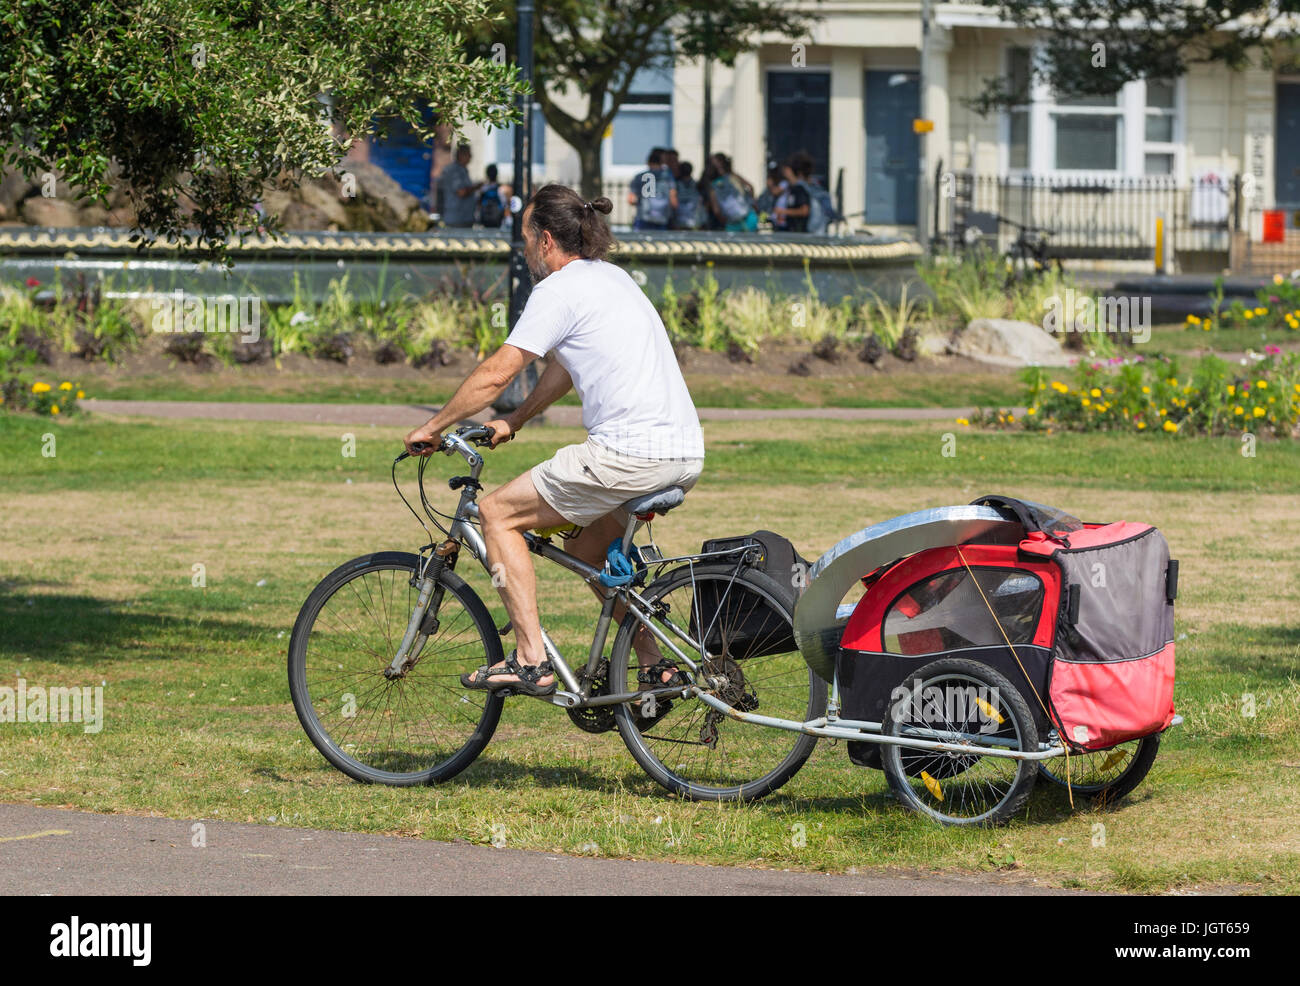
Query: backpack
point(821, 208)
point(732, 199)
point(746, 625)
point(688, 207)
point(654, 209)
point(490, 211)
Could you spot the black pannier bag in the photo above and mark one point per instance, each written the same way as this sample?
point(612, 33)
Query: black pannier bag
point(738, 621)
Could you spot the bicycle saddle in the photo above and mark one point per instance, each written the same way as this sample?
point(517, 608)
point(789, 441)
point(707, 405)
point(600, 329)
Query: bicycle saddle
point(659, 502)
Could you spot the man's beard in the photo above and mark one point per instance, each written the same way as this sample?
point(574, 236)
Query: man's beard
point(536, 268)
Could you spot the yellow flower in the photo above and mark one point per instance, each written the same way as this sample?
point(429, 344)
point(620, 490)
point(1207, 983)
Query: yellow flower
point(1277, 278)
point(1260, 412)
point(65, 385)
point(1094, 392)
point(1248, 315)
point(962, 421)
point(1163, 412)
point(1261, 311)
point(1231, 390)
point(1011, 419)
point(54, 409)
point(1238, 410)
point(1193, 320)
point(1262, 384)
point(1085, 402)
point(1031, 412)
point(81, 394)
point(1059, 387)
point(1170, 426)
point(40, 388)
point(1208, 325)
point(1146, 390)
point(1141, 425)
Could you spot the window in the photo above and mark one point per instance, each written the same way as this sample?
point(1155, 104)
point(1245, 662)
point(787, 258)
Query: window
point(505, 143)
point(1161, 118)
point(645, 119)
point(1135, 131)
point(947, 612)
point(1088, 133)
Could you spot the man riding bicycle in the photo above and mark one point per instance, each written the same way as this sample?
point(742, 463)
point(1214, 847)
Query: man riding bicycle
point(605, 340)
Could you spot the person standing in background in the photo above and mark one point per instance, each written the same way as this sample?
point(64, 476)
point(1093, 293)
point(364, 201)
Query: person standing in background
point(798, 206)
point(654, 194)
point(730, 197)
point(687, 215)
point(491, 204)
point(459, 191)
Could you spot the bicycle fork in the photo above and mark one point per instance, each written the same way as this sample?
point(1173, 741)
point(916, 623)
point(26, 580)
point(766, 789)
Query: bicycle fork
point(424, 617)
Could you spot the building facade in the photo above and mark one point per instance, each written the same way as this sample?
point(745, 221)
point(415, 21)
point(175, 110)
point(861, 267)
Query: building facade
point(849, 93)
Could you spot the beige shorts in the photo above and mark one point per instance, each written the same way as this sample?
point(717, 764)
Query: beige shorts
point(585, 482)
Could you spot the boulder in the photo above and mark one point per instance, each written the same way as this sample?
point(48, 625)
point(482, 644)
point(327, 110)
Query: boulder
point(1007, 342)
point(382, 205)
point(40, 211)
point(14, 187)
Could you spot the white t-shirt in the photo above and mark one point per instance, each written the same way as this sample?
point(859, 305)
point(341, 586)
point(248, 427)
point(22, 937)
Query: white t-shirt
point(593, 318)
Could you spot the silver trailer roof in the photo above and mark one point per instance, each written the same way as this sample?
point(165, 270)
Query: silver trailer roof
point(818, 617)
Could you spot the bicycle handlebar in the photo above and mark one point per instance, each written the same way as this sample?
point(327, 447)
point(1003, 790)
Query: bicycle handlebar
point(480, 435)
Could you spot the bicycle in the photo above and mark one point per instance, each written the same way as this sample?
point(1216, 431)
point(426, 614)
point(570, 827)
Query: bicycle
point(378, 647)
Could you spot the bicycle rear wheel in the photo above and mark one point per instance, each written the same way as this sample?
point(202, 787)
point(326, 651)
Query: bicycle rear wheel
point(689, 748)
point(421, 728)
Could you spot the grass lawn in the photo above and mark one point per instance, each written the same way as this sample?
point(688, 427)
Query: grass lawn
point(95, 586)
point(983, 387)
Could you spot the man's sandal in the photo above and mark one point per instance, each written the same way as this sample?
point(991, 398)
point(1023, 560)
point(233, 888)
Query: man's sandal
point(655, 676)
point(488, 678)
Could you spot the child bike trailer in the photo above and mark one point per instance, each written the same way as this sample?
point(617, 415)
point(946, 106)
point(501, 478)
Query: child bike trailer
point(1078, 617)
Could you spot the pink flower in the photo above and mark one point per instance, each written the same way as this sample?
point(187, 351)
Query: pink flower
point(33, 282)
point(1273, 298)
point(1272, 350)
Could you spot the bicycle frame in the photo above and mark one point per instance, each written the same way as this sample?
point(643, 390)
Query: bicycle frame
point(464, 532)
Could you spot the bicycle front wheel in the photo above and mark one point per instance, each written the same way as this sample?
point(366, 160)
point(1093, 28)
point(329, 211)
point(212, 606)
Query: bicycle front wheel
point(421, 728)
point(746, 629)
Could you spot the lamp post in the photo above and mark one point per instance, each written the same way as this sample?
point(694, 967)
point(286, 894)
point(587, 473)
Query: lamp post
point(520, 281)
point(923, 162)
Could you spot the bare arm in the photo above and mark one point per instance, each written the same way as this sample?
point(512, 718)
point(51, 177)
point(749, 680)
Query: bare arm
point(479, 389)
point(553, 385)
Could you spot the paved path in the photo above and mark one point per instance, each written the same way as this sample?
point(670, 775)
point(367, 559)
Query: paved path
point(408, 415)
point(54, 851)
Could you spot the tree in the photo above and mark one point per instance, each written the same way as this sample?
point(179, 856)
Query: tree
point(1094, 47)
point(598, 46)
point(202, 103)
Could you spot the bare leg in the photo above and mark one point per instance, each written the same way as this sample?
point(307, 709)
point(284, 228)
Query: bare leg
point(504, 514)
point(591, 546)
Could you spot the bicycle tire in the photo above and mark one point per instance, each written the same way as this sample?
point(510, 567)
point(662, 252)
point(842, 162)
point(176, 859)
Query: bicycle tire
point(322, 723)
point(1006, 702)
point(785, 700)
point(1105, 793)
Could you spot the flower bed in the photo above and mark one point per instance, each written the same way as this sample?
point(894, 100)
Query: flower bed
point(1259, 394)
